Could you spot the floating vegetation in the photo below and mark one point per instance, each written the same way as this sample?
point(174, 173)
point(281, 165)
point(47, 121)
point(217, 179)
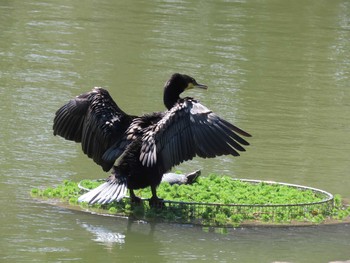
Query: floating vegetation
point(219, 201)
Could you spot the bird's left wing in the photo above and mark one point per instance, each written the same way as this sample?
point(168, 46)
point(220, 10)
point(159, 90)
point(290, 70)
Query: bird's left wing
point(187, 130)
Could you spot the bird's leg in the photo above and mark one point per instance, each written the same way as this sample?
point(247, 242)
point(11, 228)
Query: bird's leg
point(155, 201)
point(134, 198)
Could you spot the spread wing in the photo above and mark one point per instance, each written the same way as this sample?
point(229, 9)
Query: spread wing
point(187, 130)
point(95, 120)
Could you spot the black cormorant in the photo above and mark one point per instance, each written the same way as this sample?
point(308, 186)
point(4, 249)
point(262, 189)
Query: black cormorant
point(148, 146)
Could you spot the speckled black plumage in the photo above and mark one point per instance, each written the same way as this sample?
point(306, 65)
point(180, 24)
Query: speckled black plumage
point(145, 147)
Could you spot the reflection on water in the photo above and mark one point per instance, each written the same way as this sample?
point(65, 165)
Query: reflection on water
point(158, 242)
point(103, 235)
point(278, 69)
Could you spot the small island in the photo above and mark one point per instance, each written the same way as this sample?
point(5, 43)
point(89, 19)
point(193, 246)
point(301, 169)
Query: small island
point(216, 201)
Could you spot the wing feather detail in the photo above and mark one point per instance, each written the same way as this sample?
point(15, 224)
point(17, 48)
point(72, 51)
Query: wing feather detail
point(132, 134)
point(187, 130)
point(94, 120)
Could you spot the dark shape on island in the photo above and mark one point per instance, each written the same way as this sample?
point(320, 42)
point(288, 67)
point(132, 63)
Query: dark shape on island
point(176, 178)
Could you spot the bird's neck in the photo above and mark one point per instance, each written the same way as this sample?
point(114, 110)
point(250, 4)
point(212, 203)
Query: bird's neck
point(171, 96)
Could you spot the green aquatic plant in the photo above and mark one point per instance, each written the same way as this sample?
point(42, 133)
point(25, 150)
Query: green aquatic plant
point(216, 201)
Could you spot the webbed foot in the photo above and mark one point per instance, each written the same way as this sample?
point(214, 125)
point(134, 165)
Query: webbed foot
point(156, 202)
point(134, 199)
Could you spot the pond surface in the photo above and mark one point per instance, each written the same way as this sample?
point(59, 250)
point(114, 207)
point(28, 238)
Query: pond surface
point(278, 69)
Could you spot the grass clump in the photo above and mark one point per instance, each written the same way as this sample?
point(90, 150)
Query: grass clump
point(224, 190)
point(253, 202)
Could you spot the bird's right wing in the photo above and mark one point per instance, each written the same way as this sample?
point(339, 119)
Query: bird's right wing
point(95, 120)
point(187, 130)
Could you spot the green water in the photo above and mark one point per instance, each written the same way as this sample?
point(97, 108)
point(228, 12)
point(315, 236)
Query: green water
point(278, 69)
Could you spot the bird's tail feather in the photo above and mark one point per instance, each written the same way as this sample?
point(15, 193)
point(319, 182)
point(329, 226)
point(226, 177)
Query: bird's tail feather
point(114, 189)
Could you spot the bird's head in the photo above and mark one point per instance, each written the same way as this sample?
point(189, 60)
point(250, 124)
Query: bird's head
point(177, 84)
point(182, 82)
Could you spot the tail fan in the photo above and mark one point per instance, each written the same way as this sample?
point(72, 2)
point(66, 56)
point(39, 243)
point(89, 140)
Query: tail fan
point(114, 189)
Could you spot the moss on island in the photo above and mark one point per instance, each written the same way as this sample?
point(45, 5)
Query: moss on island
point(216, 201)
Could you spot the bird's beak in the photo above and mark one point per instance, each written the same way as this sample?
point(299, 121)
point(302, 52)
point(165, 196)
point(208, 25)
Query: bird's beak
point(196, 85)
point(201, 86)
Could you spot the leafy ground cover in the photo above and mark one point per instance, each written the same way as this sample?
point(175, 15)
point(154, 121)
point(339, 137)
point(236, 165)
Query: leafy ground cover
point(217, 201)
